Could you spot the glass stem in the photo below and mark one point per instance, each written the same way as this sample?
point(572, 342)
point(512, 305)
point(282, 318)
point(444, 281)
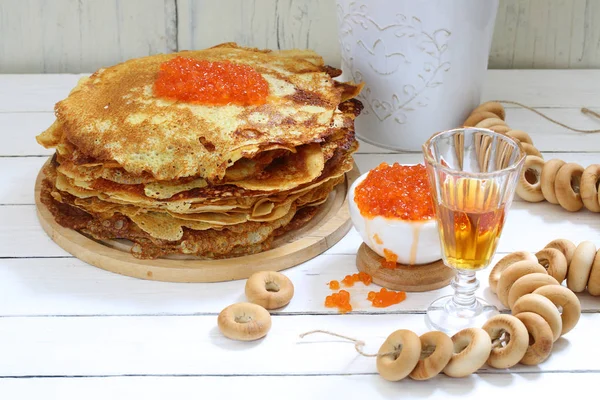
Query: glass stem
point(465, 284)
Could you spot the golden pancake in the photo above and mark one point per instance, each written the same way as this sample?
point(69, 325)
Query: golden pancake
point(187, 202)
point(115, 115)
point(80, 167)
point(235, 240)
point(282, 174)
point(302, 167)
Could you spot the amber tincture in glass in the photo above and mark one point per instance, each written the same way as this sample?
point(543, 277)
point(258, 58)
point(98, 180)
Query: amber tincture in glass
point(470, 220)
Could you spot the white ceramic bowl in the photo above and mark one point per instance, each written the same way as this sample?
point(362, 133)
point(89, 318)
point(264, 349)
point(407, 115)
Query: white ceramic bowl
point(414, 242)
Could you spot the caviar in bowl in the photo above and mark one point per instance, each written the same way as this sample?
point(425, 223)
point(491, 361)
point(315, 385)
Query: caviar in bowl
point(391, 208)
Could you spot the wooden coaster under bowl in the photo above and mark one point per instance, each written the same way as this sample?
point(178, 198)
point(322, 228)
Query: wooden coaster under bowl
point(407, 278)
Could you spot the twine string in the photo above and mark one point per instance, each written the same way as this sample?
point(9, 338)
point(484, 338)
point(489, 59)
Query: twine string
point(583, 110)
point(358, 344)
point(586, 110)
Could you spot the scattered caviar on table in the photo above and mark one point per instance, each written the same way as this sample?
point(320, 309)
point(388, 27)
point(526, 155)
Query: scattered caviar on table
point(396, 192)
point(350, 280)
point(341, 300)
point(212, 83)
point(365, 278)
point(385, 298)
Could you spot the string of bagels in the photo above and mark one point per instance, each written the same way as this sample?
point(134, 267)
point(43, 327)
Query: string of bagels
point(569, 185)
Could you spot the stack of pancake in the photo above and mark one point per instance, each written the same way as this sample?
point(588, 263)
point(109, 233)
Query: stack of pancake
point(214, 181)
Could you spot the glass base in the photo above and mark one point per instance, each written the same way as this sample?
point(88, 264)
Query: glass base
point(446, 316)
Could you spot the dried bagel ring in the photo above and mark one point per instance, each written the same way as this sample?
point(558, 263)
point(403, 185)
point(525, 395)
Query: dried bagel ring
point(521, 136)
point(566, 187)
point(564, 246)
point(504, 263)
point(489, 122)
point(493, 107)
point(536, 303)
point(528, 284)
point(244, 321)
point(269, 289)
point(581, 266)
point(593, 285)
point(477, 117)
point(531, 150)
point(590, 181)
point(548, 179)
point(395, 367)
point(554, 261)
point(514, 272)
point(567, 300)
point(513, 336)
point(542, 341)
point(436, 351)
point(499, 128)
point(472, 347)
point(529, 186)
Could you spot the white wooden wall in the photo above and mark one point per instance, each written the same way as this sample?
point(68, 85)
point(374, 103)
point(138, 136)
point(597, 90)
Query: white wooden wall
point(83, 35)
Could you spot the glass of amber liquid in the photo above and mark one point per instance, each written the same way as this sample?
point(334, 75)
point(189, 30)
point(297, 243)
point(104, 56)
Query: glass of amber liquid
point(473, 174)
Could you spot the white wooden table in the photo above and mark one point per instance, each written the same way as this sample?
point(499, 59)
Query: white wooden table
point(71, 331)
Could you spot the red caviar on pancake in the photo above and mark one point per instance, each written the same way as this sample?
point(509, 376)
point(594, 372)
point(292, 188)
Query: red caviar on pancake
point(210, 82)
point(396, 192)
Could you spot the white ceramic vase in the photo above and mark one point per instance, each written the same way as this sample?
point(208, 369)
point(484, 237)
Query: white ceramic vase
point(423, 64)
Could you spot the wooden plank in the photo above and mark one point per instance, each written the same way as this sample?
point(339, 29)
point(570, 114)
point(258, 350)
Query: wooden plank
point(76, 36)
point(535, 34)
point(535, 88)
point(528, 33)
point(19, 173)
point(22, 128)
point(373, 387)
point(544, 88)
point(36, 93)
point(538, 88)
point(71, 36)
point(547, 136)
point(538, 33)
point(16, 179)
point(90, 346)
point(270, 24)
point(584, 51)
point(296, 387)
point(21, 236)
point(67, 286)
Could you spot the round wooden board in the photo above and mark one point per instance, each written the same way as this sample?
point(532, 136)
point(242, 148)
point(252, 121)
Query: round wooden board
point(406, 278)
point(327, 227)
